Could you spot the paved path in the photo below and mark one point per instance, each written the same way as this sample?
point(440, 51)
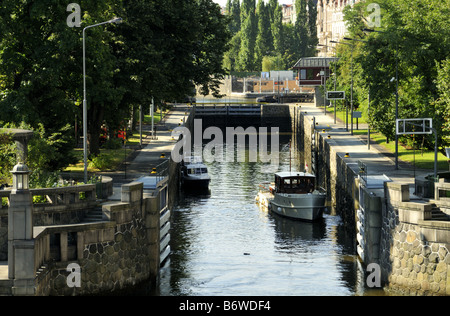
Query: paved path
point(378, 160)
point(143, 160)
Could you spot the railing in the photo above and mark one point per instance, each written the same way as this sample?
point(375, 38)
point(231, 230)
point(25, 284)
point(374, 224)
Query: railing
point(71, 197)
point(62, 243)
point(228, 110)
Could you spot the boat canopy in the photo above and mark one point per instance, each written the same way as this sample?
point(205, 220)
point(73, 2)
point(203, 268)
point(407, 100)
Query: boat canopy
point(294, 182)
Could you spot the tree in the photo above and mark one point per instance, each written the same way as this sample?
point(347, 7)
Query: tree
point(248, 36)
point(442, 104)
point(39, 70)
point(162, 49)
point(414, 40)
point(277, 31)
point(263, 39)
point(234, 12)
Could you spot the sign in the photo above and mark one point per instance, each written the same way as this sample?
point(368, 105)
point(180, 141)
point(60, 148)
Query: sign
point(357, 114)
point(415, 126)
point(335, 95)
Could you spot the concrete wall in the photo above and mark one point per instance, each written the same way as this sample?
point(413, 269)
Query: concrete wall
point(333, 173)
point(113, 255)
point(61, 205)
point(415, 258)
point(400, 235)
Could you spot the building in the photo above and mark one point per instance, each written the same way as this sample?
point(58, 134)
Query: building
point(313, 70)
point(289, 15)
point(330, 23)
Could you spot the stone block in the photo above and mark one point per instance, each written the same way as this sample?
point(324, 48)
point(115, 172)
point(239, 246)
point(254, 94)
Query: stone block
point(447, 286)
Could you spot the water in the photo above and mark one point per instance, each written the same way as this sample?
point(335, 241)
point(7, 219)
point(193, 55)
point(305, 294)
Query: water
point(225, 244)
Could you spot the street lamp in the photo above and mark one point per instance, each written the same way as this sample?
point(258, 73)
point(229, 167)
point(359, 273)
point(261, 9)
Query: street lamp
point(351, 91)
point(368, 105)
point(117, 21)
point(335, 70)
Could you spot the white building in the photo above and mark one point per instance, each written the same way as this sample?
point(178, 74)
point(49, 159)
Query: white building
point(330, 23)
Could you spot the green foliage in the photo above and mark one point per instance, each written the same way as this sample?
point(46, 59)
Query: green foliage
point(270, 63)
point(413, 42)
point(40, 178)
point(163, 49)
point(113, 143)
point(46, 153)
point(264, 34)
point(101, 162)
point(442, 104)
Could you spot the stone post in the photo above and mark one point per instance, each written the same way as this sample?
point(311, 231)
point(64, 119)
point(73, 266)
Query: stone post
point(20, 234)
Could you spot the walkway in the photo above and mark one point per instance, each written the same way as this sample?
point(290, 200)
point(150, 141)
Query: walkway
point(148, 157)
point(378, 160)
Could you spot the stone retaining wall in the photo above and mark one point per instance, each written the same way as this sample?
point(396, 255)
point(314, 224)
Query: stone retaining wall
point(415, 258)
point(113, 255)
point(413, 249)
point(333, 172)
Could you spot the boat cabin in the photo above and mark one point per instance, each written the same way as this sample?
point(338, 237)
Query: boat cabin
point(194, 166)
point(196, 169)
point(294, 182)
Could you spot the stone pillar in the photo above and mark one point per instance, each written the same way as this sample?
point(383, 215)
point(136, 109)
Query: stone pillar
point(20, 234)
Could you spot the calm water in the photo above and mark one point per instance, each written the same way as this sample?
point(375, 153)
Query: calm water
point(224, 244)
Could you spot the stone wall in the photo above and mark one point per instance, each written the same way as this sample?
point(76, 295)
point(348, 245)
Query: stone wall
point(60, 206)
point(113, 255)
point(333, 173)
point(414, 252)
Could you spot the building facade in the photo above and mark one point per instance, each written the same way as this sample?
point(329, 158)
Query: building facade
point(330, 23)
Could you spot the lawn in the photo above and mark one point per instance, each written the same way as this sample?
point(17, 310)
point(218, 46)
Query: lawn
point(110, 159)
point(422, 159)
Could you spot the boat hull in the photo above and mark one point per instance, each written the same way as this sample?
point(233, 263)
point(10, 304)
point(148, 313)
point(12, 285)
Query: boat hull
point(306, 207)
point(194, 183)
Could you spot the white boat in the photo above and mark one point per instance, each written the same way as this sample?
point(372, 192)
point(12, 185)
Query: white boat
point(194, 174)
point(293, 195)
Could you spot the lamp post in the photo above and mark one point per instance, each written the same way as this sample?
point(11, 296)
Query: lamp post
point(351, 90)
point(368, 105)
point(117, 21)
point(335, 73)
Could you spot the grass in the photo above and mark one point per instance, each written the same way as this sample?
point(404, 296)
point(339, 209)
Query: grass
point(421, 159)
point(113, 157)
point(340, 114)
point(110, 159)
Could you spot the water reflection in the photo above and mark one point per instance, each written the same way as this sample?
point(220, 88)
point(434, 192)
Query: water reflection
point(224, 244)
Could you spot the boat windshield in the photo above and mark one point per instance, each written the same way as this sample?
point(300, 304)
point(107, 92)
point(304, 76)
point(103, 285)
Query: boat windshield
point(197, 170)
point(297, 184)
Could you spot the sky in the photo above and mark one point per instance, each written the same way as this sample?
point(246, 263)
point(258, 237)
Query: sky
point(224, 2)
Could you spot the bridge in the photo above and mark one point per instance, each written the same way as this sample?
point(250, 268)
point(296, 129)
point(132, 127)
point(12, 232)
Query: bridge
point(228, 109)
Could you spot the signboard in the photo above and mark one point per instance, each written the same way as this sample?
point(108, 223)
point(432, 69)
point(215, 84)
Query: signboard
point(335, 95)
point(417, 126)
point(357, 114)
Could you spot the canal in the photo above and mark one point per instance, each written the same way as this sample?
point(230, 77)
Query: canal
point(224, 244)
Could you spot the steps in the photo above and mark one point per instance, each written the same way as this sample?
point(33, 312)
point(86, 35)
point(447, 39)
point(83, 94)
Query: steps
point(438, 215)
point(94, 215)
point(6, 287)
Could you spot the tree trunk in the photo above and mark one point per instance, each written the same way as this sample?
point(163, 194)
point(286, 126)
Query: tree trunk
point(95, 118)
